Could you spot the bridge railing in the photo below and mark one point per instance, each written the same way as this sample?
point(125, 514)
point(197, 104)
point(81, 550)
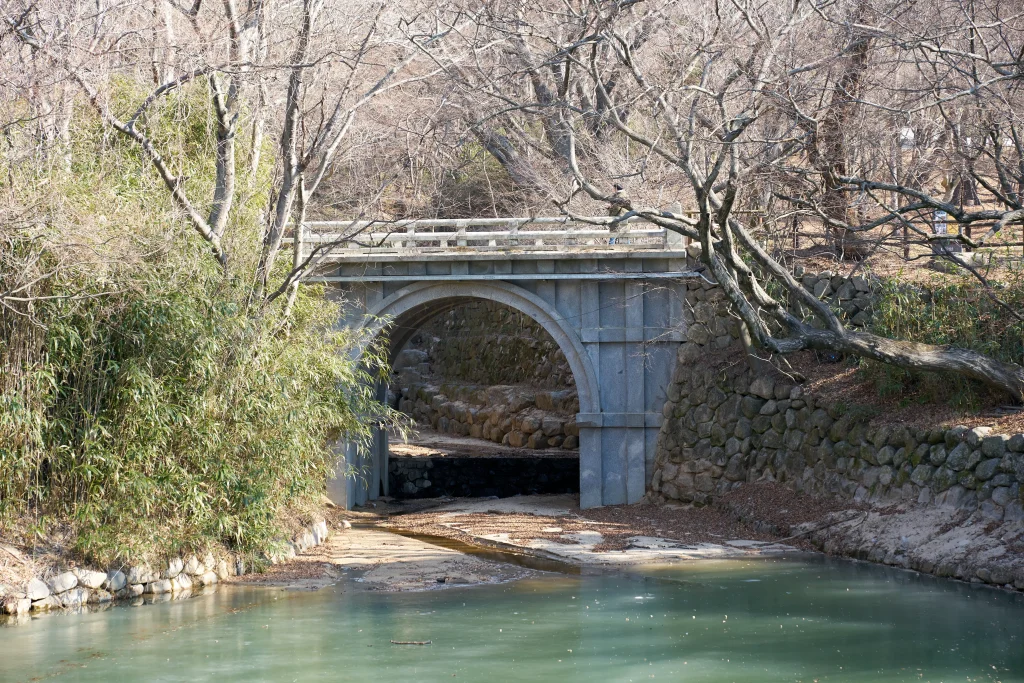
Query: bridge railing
point(352, 239)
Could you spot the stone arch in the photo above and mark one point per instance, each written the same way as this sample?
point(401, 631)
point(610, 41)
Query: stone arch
point(404, 311)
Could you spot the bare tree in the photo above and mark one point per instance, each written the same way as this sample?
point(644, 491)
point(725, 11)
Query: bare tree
point(352, 54)
point(791, 97)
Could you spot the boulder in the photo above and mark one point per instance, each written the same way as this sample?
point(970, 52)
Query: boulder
point(76, 597)
point(551, 426)
point(957, 458)
point(1003, 495)
point(408, 358)
point(763, 386)
point(37, 590)
point(994, 446)
point(194, 566)
point(15, 605)
point(159, 586)
point(46, 604)
point(89, 578)
point(977, 435)
point(987, 469)
point(116, 580)
point(517, 439)
point(922, 474)
point(943, 479)
point(63, 582)
point(174, 568)
point(141, 574)
point(207, 579)
point(181, 582)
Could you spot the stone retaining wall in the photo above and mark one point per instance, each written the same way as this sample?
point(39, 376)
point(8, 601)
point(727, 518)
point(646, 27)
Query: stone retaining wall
point(710, 325)
point(178, 578)
point(511, 415)
point(852, 296)
point(430, 477)
point(725, 426)
point(484, 342)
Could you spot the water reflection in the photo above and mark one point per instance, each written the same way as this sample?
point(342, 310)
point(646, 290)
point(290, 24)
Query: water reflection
point(773, 620)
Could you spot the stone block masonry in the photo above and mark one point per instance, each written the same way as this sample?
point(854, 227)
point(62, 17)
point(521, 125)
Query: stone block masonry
point(725, 426)
point(484, 342)
point(178, 577)
point(515, 416)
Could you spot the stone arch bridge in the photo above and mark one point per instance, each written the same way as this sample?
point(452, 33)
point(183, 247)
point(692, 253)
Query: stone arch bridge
point(611, 300)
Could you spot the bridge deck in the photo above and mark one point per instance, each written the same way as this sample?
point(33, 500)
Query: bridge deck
point(595, 237)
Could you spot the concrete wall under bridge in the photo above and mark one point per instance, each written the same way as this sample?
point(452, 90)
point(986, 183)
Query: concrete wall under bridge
point(615, 311)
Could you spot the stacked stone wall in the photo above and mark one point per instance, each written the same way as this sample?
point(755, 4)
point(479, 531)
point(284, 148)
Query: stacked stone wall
point(511, 415)
point(725, 426)
point(484, 342)
point(177, 578)
point(851, 296)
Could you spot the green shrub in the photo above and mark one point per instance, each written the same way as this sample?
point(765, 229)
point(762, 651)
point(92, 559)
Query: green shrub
point(953, 312)
point(166, 416)
point(144, 404)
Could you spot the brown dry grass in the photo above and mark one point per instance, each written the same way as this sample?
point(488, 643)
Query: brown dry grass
point(815, 253)
point(842, 383)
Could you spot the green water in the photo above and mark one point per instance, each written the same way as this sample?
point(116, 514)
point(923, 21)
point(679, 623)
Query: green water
point(789, 620)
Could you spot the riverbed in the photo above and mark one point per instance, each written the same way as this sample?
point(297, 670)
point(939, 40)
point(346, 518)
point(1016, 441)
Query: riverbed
point(798, 618)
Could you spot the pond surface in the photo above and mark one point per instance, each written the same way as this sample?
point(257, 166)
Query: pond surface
point(743, 621)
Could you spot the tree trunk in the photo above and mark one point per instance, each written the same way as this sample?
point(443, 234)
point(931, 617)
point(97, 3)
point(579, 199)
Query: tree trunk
point(1008, 377)
point(831, 149)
